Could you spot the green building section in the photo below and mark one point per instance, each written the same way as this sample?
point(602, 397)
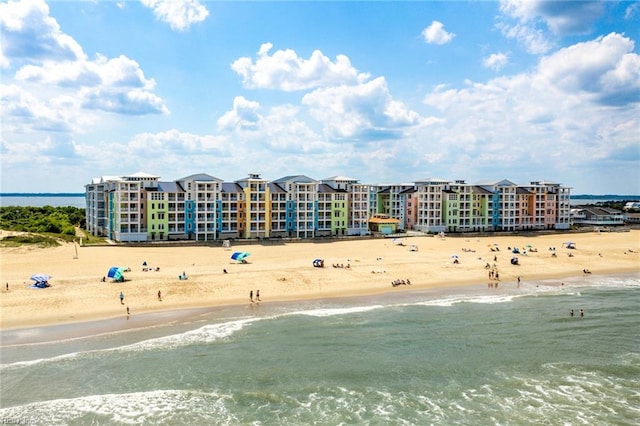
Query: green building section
point(339, 215)
point(157, 220)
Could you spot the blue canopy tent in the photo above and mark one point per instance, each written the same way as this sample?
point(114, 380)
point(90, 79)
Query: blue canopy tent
point(117, 273)
point(240, 256)
point(318, 263)
point(41, 281)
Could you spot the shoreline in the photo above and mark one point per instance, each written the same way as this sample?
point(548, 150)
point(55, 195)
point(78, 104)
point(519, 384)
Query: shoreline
point(97, 327)
point(284, 273)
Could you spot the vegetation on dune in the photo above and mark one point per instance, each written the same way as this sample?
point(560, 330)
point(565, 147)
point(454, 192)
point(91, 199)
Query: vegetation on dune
point(42, 220)
point(42, 226)
point(29, 239)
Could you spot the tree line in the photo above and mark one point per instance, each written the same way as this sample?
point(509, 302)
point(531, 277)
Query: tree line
point(47, 219)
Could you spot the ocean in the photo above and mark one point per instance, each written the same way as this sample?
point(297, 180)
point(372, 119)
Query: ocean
point(466, 356)
point(41, 200)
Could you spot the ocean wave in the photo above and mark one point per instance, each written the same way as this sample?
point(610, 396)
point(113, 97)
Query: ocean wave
point(203, 335)
point(329, 312)
point(154, 407)
point(558, 393)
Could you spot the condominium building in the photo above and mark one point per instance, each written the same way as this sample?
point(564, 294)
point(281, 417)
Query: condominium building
point(201, 207)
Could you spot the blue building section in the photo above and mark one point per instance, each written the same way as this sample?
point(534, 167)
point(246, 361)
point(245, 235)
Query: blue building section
point(495, 210)
point(218, 216)
point(291, 216)
point(112, 220)
point(189, 217)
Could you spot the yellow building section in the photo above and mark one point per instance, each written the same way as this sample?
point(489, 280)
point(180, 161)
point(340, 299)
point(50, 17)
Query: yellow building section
point(267, 210)
point(257, 204)
point(384, 224)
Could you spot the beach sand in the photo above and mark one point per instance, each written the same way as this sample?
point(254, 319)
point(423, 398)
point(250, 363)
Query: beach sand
point(284, 272)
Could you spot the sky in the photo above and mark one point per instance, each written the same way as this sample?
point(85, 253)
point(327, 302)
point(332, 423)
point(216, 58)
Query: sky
point(381, 92)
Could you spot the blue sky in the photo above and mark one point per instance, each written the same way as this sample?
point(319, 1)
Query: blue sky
point(378, 91)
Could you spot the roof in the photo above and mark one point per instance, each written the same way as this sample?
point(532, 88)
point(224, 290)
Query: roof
point(200, 177)
point(434, 180)
point(231, 187)
point(599, 211)
point(276, 188)
point(340, 178)
point(295, 179)
point(503, 182)
point(143, 175)
point(384, 219)
point(522, 191)
point(323, 188)
point(169, 187)
point(480, 190)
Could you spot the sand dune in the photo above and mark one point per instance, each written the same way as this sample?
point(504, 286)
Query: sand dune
point(284, 272)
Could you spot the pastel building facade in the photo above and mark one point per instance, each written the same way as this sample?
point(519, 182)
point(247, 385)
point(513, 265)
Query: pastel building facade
point(200, 207)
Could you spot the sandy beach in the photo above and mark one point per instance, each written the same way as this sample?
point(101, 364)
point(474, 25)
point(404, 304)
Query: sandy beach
point(284, 272)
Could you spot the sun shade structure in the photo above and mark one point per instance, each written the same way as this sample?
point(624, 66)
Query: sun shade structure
point(318, 263)
point(240, 256)
point(41, 280)
point(117, 273)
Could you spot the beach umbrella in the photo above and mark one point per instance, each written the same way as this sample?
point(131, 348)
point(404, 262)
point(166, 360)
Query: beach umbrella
point(240, 256)
point(117, 273)
point(40, 278)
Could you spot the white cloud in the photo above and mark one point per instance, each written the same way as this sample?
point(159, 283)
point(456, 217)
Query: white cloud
point(436, 34)
point(606, 68)
point(244, 115)
point(131, 102)
point(179, 14)
point(561, 17)
point(284, 70)
point(365, 111)
point(54, 73)
point(29, 33)
point(557, 117)
point(537, 21)
point(22, 112)
point(632, 10)
point(174, 142)
point(280, 128)
point(496, 61)
point(534, 40)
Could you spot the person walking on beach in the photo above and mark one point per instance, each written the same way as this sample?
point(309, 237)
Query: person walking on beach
point(7, 286)
point(121, 298)
point(258, 295)
point(251, 296)
point(518, 281)
point(159, 296)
